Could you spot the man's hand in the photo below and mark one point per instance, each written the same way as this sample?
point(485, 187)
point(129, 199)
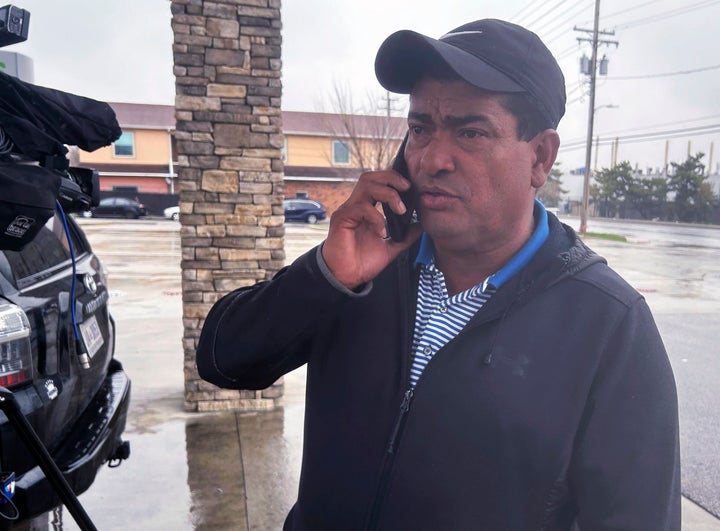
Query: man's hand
point(357, 248)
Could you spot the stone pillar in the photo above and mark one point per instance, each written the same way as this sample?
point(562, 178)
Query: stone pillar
point(229, 141)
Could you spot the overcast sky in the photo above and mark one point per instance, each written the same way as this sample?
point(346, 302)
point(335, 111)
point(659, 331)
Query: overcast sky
point(122, 51)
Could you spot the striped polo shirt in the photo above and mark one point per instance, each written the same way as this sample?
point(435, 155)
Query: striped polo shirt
point(439, 318)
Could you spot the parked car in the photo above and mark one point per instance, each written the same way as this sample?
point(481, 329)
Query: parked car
point(172, 213)
point(117, 207)
point(306, 210)
point(57, 343)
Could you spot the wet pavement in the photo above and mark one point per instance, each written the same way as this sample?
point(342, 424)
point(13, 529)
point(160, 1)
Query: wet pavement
point(239, 471)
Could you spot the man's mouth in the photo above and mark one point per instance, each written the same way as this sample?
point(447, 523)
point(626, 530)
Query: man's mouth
point(434, 192)
point(434, 198)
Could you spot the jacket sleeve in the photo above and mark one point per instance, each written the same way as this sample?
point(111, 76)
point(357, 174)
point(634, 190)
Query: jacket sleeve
point(254, 335)
point(626, 466)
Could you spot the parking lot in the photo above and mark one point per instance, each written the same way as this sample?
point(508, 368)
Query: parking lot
point(240, 471)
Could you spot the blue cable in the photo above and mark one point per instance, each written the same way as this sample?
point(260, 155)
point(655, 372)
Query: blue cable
point(74, 269)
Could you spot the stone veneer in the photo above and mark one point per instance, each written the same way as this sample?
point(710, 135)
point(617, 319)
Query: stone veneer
point(229, 141)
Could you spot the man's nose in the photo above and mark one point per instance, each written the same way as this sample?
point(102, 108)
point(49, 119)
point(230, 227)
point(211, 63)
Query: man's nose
point(437, 157)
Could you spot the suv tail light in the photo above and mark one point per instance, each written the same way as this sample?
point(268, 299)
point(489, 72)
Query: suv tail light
point(15, 354)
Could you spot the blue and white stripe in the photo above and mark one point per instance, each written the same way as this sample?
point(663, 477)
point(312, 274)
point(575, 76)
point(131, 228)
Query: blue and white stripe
point(440, 318)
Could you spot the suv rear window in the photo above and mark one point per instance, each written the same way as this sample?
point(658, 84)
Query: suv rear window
point(293, 203)
point(42, 256)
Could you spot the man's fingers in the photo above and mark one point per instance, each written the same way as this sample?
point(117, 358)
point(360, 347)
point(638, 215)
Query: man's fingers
point(385, 177)
point(352, 215)
point(382, 187)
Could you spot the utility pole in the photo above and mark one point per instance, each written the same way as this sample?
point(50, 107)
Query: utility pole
point(617, 150)
point(710, 159)
point(387, 156)
point(387, 124)
point(597, 137)
point(591, 109)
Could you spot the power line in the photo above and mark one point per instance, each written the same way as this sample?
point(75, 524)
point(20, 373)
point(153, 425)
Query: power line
point(664, 124)
point(577, 86)
point(526, 11)
point(545, 13)
point(669, 14)
point(687, 131)
point(648, 129)
point(621, 140)
point(624, 25)
point(649, 136)
point(570, 13)
point(666, 74)
point(572, 49)
point(633, 8)
point(623, 11)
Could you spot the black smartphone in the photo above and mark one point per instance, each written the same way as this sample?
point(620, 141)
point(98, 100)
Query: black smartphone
point(397, 224)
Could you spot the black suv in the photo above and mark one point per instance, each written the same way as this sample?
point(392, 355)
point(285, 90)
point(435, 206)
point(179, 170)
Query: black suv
point(305, 210)
point(76, 404)
point(63, 396)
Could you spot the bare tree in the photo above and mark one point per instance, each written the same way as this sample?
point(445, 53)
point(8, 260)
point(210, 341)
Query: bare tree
point(371, 139)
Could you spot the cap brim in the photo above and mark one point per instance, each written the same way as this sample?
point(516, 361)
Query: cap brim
point(404, 58)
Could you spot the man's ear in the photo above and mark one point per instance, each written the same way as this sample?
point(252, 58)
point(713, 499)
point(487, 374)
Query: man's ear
point(545, 144)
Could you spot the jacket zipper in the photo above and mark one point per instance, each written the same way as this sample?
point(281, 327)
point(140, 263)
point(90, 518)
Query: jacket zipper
point(388, 459)
point(400, 422)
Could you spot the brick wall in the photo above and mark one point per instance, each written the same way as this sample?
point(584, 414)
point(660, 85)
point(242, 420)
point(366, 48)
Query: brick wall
point(331, 195)
point(230, 174)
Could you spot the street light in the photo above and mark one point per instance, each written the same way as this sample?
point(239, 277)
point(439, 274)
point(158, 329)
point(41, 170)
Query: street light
point(588, 148)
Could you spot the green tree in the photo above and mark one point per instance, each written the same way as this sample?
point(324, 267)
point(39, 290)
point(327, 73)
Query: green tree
point(693, 196)
point(549, 194)
point(649, 197)
point(611, 190)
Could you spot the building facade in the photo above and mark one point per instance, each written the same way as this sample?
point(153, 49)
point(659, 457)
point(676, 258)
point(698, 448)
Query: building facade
point(323, 155)
point(143, 158)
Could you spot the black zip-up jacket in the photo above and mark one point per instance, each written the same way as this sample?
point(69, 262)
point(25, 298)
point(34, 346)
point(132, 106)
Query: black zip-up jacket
point(555, 407)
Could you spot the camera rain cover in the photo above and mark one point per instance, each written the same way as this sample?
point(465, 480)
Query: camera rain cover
point(40, 120)
point(26, 203)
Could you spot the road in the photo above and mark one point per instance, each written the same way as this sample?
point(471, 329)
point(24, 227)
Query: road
point(677, 268)
point(174, 475)
point(659, 233)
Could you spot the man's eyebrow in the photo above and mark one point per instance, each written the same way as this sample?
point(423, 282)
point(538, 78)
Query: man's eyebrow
point(453, 121)
point(464, 120)
point(420, 117)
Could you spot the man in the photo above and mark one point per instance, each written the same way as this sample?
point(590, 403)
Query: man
point(489, 372)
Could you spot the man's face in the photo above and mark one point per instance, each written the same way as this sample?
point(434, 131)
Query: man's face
point(475, 180)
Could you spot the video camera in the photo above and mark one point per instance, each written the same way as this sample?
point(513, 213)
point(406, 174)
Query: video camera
point(36, 125)
point(14, 25)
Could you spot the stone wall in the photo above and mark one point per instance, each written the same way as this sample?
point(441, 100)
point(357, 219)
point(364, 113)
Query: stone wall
point(229, 140)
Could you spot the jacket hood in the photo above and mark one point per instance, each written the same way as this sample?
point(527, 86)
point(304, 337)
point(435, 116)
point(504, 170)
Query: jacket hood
point(562, 255)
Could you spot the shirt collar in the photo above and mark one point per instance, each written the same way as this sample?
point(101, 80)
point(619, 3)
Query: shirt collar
point(426, 252)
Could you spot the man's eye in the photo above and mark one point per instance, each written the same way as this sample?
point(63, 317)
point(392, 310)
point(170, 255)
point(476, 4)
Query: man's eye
point(471, 133)
point(417, 129)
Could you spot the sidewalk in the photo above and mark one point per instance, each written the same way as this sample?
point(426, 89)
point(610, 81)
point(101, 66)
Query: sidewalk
point(222, 471)
point(242, 473)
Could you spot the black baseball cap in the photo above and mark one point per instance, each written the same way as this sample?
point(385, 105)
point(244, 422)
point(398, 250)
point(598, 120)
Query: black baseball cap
point(490, 54)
